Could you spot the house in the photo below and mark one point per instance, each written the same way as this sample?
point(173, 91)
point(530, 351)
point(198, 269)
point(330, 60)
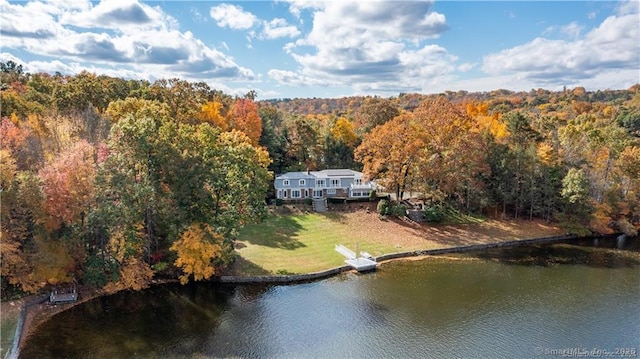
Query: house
point(322, 184)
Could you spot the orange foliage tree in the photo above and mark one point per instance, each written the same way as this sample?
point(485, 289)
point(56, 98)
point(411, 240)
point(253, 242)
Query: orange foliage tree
point(245, 118)
point(68, 184)
point(389, 154)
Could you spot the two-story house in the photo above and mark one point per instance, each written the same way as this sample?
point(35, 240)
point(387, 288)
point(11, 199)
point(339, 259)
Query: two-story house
point(322, 184)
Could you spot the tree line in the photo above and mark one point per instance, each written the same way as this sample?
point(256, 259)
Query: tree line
point(109, 182)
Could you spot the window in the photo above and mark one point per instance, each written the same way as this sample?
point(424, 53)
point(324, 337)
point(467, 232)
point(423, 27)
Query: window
point(357, 181)
point(331, 191)
point(284, 194)
point(295, 193)
point(317, 193)
point(279, 194)
point(285, 182)
point(335, 183)
point(319, 183)
point(301, 182)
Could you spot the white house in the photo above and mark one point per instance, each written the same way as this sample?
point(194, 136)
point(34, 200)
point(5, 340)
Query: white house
point(322, 184)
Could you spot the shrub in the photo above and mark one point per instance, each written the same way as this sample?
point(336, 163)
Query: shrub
point(279, 202)
point(383, 207)
point(399, 210)
point(434, 214)
point(373, 195)
point(308, 201)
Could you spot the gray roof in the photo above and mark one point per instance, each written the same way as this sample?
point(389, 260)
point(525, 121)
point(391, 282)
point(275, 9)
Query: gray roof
point(320, 174)
point(337, 173)
point(295, 175)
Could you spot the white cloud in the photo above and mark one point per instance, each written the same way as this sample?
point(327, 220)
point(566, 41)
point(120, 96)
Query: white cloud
point(295, 78)
point(466, 67)
point(278, 28)
point(611, 47)
point(232, 16)
point(128, 34)
point(120, 15)
point(572, 30)
point(368, 44)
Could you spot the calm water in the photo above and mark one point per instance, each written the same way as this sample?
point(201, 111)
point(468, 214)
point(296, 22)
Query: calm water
point(507, 304)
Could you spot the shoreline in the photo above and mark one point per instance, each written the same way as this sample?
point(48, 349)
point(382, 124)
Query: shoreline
point(37, 314)
point(385, 258)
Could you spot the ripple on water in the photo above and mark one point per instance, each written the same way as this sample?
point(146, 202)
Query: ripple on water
point(432, 308)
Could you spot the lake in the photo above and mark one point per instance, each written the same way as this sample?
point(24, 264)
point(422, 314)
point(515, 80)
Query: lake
point(525, 302)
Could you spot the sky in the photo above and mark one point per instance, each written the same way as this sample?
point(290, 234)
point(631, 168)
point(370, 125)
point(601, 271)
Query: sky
point(310, 48)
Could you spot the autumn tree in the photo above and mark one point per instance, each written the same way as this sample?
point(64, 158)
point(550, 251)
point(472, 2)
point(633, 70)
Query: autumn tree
point(452, 154)
point(244, 117)
point(272, 138)
point(374, 111)
point(210, 113)
point(68, 184)
point(302, 138)
point(390, 153)
point(200, 251)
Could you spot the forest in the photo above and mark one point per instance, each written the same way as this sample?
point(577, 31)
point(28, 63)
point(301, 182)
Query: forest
point(108, 182)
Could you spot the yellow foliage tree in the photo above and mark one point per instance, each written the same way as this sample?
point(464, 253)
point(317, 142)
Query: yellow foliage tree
point(210, 112)
point(134, 272)
point(343, 131)
point(488, 122)
point(198, 246)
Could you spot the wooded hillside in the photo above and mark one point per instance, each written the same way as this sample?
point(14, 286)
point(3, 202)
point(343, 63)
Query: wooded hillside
point(108, 182)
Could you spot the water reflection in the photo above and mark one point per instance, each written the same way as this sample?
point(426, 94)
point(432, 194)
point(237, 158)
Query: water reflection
point(596, 252)
point(503, 305)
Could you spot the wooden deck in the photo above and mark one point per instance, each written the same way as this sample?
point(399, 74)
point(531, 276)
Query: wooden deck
point(56, 297)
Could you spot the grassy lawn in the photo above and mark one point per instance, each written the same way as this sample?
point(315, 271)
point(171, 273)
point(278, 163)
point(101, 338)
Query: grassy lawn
point(9, 315)
point(302, 243)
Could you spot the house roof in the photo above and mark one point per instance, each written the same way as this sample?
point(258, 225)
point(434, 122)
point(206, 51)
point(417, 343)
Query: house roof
point(339, 173)
point(320, 174)
point(295, 175)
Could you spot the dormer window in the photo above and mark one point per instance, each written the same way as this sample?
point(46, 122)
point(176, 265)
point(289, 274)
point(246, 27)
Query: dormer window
point(358, 181)
point(301, 183)
point(285, 182)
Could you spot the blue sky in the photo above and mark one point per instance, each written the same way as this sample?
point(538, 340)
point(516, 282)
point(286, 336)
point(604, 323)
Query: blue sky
point(308, 48)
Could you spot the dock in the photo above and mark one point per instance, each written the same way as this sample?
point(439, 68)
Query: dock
point(56, 298)
point(362, 263)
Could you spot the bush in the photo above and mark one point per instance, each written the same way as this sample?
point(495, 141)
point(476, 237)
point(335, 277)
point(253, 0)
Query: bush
point(308, 201)
point(434, 214)
point(383, 207)
point(373, 195)
point(399, 210)
point(279, 202)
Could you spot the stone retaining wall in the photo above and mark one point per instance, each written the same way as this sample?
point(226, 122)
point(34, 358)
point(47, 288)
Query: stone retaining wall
point(473, 247)
point(288, 278)
point(294, 278)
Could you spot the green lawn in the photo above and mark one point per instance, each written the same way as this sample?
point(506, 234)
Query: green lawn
point(299, 244)
point(304, 243)
point(8, 323)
